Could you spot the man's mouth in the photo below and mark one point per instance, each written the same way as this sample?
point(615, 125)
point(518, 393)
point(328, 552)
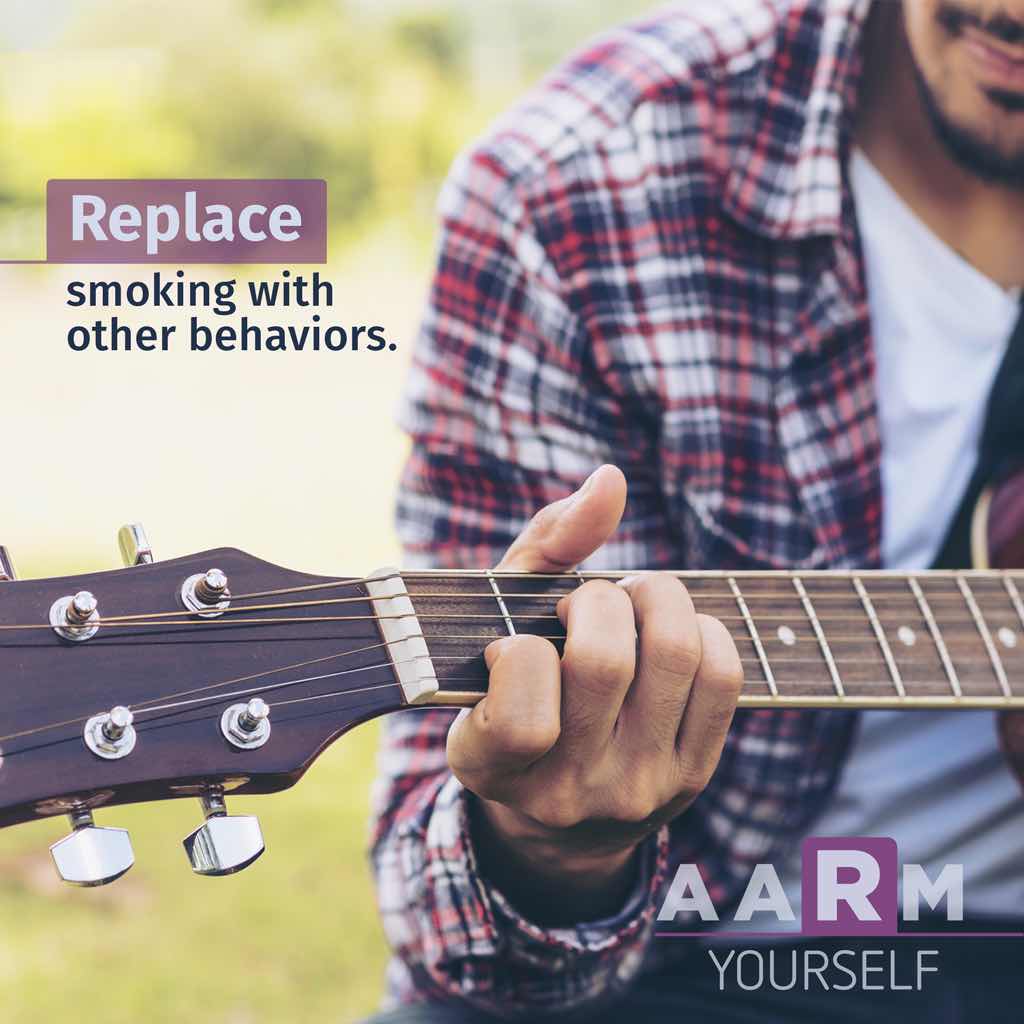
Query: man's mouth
point(1001, 65)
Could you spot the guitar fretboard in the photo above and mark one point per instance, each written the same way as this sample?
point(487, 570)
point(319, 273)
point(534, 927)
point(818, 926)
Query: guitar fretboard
point(871, 639)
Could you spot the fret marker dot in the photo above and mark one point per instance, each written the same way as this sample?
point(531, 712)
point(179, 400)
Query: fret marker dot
point(787, 636)
point(906, 636)
point(1007, 637)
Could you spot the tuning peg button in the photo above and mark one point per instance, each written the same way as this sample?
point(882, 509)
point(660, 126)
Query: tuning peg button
point(134, 545)
point(91, 855)
point(206, 593)
point(75, 617)
point(111, 735)
point(246, 726)
point(7, 572)
point(226, 843)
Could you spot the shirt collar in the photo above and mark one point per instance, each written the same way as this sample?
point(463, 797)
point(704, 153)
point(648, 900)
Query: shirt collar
point(786, 177)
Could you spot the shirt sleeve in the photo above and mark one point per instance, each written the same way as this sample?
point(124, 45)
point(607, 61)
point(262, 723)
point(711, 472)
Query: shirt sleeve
point(507, 411)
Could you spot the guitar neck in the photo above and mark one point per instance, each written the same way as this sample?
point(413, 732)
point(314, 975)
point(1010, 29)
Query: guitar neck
point(814, 639)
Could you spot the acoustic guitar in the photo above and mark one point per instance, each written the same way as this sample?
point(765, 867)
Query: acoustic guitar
point(219, 673)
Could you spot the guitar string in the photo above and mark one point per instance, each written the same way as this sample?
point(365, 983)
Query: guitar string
point(867, 575)
point(179, 706)
point(484, 576)
point(219, 698)
point(726, 596)
point(192, 622)
point(142, 620)
point(209, 624)
point(266, 672)
point(857, 638)
point(852, 598)
point(146, 707)
point(215, 624)
point(909, 699)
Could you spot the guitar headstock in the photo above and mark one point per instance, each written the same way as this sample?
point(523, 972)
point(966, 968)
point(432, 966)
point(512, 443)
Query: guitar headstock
point(200, 676)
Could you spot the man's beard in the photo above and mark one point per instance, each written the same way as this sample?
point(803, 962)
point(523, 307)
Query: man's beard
point(974, 153)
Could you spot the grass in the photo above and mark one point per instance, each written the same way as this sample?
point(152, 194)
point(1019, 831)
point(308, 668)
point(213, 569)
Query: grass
point(293, 939)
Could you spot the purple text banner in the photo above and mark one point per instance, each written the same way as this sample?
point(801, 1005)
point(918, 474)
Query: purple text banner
point(203, 220)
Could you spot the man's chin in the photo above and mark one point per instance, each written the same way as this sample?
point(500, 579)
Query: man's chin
point(971, 151)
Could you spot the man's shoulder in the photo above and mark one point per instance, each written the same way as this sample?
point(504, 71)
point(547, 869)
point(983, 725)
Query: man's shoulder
point(719, 48)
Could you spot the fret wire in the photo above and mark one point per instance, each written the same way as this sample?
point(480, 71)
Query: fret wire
point(883, 643)
point(509, 624)
point(819, 632)
point(933, 628)
point(1018, 604)
point(986, 636)
point(755, 637)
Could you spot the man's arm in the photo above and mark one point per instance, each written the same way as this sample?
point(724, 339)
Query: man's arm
point(526, 878)
point(507, 414)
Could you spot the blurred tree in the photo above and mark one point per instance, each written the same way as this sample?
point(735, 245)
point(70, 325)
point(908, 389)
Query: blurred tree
point(374, 97)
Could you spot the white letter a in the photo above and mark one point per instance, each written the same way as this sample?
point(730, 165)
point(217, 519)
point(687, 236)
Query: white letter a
point(687, 894)
point(764, 892)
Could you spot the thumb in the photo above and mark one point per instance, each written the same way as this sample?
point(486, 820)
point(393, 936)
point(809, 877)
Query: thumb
point(562, 534)
point(1011, 731)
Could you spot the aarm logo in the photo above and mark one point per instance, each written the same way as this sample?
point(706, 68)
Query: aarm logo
point(849, 887)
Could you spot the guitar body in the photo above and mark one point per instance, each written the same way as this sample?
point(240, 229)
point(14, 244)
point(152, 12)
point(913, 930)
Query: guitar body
point(997, 531)
point(997, 541)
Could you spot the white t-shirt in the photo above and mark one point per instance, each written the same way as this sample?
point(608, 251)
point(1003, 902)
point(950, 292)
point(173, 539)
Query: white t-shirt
point(936, 782)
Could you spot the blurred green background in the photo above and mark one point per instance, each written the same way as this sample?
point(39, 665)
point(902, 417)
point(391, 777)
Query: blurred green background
point(377, 97)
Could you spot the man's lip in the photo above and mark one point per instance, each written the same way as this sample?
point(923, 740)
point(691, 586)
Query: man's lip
point(1002, 63)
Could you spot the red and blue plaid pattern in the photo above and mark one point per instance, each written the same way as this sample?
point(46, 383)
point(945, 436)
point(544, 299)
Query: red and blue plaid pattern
point(652, 261)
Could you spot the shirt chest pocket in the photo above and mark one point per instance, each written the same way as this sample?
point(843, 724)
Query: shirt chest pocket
point(732, 502)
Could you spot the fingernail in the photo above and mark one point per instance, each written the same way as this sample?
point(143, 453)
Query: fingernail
point(495, 648)
point(629, 581)
point(585, 486)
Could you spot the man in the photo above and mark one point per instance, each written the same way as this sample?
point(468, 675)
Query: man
point(765, 257)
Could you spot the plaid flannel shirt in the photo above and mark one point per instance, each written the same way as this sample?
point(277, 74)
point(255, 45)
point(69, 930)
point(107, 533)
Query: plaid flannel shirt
point(653, 261)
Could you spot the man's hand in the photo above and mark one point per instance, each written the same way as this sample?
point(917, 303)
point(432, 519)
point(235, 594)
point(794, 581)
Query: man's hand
point(575, 761)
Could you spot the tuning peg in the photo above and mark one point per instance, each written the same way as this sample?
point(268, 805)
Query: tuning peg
point(111, 735)
point(246, 726)
point(91, 855)
point(7, 572)
point(134, 545)
point(75, 617)
point(206, 593)
point(227, 842)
